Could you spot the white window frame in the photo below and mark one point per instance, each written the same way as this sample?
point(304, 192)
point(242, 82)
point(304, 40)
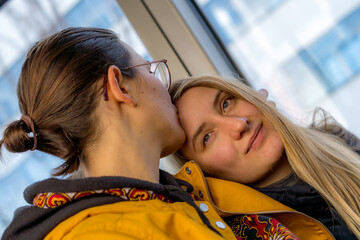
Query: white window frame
point(162, 26)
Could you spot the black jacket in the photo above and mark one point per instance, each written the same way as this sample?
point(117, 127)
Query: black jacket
point(304, 198)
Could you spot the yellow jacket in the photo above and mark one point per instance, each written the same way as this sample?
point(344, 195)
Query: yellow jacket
point(54, 213)
point(230, 198)
point(148, 219)
point(151, 219)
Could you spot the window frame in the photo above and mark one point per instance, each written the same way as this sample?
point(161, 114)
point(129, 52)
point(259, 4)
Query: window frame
point(173, 38)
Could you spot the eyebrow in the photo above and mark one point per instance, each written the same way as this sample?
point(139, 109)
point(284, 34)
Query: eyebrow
point(216, 99)
point(197, 133)
point(202, 126)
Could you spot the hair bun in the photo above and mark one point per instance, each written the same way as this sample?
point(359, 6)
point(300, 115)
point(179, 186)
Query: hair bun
point(16, 138)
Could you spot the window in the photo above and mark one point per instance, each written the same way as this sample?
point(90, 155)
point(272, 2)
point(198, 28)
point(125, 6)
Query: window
point(224, 17)
point(305, 53)
point(334, 57)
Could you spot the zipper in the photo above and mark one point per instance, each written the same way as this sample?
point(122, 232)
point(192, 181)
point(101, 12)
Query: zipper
point(269, 212)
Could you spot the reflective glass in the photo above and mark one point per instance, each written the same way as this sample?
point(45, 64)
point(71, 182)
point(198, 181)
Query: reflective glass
point(306, 53)
point(161, 71)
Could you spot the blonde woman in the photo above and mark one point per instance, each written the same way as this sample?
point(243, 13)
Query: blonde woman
point(234, 134)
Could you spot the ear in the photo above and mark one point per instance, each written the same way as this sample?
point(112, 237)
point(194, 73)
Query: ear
point(118, 89)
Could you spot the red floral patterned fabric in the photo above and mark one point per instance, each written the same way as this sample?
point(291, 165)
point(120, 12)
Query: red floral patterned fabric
point(53, 200)
point(258, 227)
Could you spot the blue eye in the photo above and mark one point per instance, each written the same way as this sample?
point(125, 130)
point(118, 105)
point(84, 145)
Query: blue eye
point(226, 104)
point(206, 139)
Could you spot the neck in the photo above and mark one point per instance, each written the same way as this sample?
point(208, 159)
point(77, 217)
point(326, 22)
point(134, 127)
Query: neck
point(123, 155)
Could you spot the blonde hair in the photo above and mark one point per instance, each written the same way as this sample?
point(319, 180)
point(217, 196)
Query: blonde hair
point(321, 159)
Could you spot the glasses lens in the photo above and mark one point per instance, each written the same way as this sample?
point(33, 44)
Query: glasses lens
point(162, 73)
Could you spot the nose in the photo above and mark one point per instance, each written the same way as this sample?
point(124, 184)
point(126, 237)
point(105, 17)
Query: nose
point(236, 126)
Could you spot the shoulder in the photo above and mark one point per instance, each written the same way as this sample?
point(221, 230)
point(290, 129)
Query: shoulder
point(134, 220)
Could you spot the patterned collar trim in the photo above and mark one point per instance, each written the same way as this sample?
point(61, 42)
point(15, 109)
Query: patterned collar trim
point(56, 199)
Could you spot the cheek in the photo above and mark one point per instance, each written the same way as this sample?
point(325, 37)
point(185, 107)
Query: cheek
point(161, 98)
point(221, 157)
point(273, 150)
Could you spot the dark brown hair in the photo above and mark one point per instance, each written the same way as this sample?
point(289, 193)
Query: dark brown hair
point(59, 89)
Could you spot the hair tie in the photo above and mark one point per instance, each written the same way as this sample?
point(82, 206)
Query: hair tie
point(30, 125)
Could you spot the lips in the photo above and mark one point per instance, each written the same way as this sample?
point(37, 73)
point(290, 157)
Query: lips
point(254, 136)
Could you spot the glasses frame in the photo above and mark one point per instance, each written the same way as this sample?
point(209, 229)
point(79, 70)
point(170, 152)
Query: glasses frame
point(138, 65)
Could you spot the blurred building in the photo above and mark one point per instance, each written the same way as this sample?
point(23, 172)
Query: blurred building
point(305, 52)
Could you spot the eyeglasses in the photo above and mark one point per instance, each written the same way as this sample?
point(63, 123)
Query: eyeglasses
point(158, 68)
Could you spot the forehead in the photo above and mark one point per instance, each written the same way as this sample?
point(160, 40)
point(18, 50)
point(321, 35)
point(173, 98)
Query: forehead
point(194, 106)
point(196, 97)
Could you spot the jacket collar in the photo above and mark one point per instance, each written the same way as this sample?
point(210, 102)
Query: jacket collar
point(230, 198)
point(225, 195)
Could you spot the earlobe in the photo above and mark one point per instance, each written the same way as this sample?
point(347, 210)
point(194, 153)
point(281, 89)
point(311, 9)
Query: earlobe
point(117, 87)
